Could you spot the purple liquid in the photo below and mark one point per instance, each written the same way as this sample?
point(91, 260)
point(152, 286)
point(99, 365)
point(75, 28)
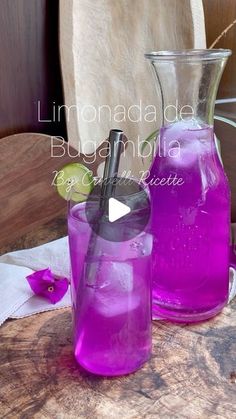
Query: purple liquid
point(112, 315)
point(191, 224)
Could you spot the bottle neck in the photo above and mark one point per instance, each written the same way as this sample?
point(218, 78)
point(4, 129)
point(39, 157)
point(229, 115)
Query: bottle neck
point(188, 89)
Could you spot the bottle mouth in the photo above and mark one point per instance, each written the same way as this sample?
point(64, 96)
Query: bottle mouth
point(189, 55)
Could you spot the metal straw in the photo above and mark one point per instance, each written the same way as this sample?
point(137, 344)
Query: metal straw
point(107, 190)
point(112, 163)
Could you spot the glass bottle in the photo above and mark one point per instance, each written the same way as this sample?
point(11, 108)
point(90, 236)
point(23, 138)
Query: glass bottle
point(189, 189)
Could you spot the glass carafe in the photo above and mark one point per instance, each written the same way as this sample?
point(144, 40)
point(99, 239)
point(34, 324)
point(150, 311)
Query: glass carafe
point(190, 197)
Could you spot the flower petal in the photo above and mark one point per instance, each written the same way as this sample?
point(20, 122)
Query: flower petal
point(60, 288)
point(36, 282)
point(45, 284)
point(48, 276)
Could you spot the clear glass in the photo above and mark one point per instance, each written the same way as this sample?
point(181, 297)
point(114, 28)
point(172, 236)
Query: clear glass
point(191, 212)
point(111, 297)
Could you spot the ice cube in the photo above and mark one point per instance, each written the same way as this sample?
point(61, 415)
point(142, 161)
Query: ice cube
point(114, 292)
point(140, 246)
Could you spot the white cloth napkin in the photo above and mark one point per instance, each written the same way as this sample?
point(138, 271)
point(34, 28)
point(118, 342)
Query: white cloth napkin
point(16, 297)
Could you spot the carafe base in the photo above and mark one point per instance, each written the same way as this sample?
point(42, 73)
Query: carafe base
point(177, 315)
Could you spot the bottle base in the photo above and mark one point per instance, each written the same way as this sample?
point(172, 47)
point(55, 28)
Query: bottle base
point(177, 315)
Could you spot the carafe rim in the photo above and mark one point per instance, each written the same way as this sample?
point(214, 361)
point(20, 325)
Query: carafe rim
point(188, 54)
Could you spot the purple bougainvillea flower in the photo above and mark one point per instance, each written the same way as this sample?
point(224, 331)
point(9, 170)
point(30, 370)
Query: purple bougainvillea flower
point(47, 285)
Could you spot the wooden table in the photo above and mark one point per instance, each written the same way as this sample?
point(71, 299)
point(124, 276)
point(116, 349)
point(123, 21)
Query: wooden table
point(192, 372)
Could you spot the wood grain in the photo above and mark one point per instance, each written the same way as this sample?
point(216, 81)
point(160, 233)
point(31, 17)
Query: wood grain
point(30, 68)
point(27, 197)
point(112, 71)
point(218, 15)
point(191, 374)
point(26, 173)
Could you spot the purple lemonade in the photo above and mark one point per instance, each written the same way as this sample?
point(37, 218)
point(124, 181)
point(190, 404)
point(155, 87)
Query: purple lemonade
point(191, 224)
point(111, 315)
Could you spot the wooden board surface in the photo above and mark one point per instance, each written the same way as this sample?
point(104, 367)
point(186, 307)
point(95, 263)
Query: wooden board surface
point(28, 163)
point(30, 68)
point(104, 72)
point(192, 372)
point(218, 16)
point(191, 375)
point(26, 174)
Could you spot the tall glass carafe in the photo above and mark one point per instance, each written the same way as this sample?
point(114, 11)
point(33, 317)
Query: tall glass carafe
point(189, 189)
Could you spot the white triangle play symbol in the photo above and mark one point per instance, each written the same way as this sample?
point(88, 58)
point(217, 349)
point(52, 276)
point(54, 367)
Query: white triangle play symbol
point(116, 209)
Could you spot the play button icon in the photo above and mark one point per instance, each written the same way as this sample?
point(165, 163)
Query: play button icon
point(116, 210)
point(122, 216)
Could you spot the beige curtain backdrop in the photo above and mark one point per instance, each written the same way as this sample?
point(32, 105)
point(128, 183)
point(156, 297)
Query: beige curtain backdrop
point(102, 44)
